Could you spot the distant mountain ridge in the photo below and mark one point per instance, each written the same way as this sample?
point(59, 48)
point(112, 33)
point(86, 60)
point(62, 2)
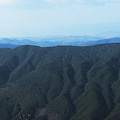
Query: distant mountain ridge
point(8, 46)
point(109, 34)
point(60, 40)
point(103, 41)
point(17, 42)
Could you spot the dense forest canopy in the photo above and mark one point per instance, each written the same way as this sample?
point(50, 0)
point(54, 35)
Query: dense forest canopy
point(60, 83)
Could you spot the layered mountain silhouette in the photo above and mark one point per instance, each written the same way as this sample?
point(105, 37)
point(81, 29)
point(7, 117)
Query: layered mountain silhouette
point(59, 40)
point(8, 46)
point(60, 83)
point(104, 41)
point(17, 41)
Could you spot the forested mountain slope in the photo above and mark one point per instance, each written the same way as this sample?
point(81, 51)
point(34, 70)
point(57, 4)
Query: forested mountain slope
point(60, 83)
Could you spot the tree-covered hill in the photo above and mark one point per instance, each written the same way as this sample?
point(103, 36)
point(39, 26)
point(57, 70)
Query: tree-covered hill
point(60, 83)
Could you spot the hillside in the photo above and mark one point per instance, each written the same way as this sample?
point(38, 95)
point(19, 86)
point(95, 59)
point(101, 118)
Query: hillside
point(60, 83)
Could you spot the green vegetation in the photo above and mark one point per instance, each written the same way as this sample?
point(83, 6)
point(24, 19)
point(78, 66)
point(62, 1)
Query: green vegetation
point(60, 83)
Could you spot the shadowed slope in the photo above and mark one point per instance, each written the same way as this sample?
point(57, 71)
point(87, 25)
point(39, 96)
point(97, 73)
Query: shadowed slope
point(64, 83)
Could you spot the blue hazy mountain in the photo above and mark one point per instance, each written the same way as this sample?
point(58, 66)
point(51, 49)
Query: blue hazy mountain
point(8, 46)
point(73, 41)
point(58, 40)
point(49, 40)
point(17, 42)
point(103, 41)
point(109, 34)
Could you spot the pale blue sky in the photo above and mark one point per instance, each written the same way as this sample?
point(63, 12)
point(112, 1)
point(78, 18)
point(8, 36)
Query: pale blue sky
point(20, 18)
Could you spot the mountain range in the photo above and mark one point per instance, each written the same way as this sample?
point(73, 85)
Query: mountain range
point(57, 40)
point(17, 41)
point(8, 46)
point(60, 83)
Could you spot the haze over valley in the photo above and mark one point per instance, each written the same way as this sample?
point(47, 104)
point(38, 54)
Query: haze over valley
point(50, 41)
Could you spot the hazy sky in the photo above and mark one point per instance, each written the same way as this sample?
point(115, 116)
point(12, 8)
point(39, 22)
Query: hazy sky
point(58, 17)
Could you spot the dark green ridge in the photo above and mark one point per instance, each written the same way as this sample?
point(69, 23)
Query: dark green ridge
point(60, 83)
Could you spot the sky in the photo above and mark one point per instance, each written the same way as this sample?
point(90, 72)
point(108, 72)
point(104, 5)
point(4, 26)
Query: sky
point(20, 18)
